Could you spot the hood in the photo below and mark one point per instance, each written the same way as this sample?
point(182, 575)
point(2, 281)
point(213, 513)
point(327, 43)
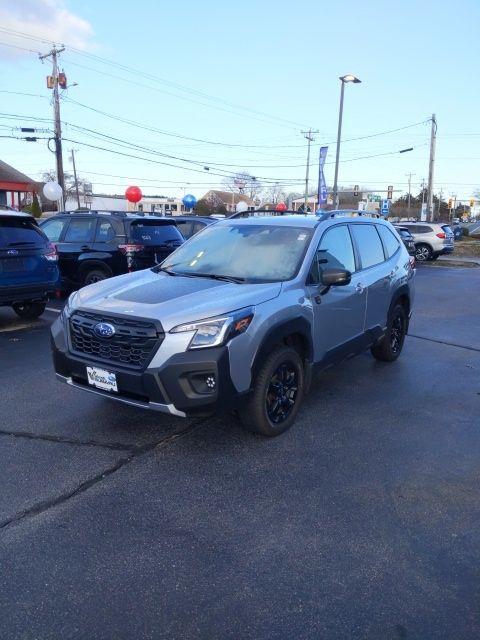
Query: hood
point(172, 299)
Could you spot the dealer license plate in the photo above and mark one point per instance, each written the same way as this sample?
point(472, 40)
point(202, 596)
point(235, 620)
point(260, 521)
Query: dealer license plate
point(102, 379)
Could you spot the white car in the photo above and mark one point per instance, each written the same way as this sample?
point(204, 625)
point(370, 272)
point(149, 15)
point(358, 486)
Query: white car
point(432, 239)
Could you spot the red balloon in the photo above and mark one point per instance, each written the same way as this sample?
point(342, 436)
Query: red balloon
point(281, 206)
point(133, 194)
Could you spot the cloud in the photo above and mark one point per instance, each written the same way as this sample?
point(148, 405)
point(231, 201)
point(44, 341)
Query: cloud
point(45, 19)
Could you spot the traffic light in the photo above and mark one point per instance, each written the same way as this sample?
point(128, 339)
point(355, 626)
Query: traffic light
point(390, 192)
point(355, 190)
point(62, 80)
point(472, 202)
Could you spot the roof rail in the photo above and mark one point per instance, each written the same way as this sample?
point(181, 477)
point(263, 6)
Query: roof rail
point(348, 213)
point(267, 212)
point(121, 214)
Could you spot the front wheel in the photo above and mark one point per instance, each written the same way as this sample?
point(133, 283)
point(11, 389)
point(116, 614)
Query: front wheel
point(277, 394)
point(392, 344)
point(29, 310)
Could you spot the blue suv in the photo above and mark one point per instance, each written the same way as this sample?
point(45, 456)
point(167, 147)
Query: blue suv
point(28, 265)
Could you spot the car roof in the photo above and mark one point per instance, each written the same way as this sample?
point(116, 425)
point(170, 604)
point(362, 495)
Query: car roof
point(193, 217)
point(15, 214)
point(303, 220)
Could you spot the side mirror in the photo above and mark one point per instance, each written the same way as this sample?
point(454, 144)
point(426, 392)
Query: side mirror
point(335, 277)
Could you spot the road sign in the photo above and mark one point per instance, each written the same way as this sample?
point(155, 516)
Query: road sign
point(385, 208)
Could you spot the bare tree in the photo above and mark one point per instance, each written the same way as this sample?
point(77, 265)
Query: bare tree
point(243, 182)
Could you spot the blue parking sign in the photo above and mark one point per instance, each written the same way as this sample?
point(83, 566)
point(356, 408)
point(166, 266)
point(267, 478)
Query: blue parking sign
point(385, 208)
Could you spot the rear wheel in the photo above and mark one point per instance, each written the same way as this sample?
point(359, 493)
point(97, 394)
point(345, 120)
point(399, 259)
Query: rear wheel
point(277, 394)
point(95, 275)
point(29, 310)
point(391, 346)
point(423, 253)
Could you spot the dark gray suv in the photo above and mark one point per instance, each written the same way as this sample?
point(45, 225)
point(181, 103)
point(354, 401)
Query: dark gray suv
point(239, 317)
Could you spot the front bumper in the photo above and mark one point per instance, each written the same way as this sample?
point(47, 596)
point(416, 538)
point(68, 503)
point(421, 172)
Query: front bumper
point(186, 384)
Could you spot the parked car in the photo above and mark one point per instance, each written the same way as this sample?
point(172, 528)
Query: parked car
point(96, 245)
point(190, 225)
point(407, 238)
point(240, 316)
point(28, 265)
point(431, 239)
point(457, 231)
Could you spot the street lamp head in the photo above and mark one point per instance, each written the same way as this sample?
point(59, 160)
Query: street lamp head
point(350, 78)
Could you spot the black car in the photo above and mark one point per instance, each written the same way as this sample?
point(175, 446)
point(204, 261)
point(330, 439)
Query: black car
point(28, 265)
point(190, 225)
point(407, 238)
point(96, 245)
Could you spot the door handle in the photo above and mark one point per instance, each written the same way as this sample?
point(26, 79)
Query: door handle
point(359, 287)
point(85, 247)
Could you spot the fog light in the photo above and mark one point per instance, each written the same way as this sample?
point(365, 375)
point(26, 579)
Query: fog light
point(211, 382)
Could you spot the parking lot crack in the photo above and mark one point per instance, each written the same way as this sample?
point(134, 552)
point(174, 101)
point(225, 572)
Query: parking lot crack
point(46, 505)
point(62, 440)
point(445, 342)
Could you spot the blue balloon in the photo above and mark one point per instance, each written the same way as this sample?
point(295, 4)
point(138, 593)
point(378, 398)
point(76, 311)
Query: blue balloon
point(189, 201)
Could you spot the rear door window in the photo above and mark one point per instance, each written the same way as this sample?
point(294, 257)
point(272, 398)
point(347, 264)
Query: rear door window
point(53, 229)
point(369, 245)
point(185, 227)
point(20, 232)
point(149, 233)
point(447, 229)
point(390, 242)
point(81, 230)
point(105, 231)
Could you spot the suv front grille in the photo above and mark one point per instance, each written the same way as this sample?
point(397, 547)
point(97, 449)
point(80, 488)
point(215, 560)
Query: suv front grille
point(132, 345)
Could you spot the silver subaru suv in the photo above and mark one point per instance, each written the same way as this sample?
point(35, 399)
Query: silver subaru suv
point(240, 316)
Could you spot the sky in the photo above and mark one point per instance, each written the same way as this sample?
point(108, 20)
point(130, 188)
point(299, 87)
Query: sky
point(231, 86)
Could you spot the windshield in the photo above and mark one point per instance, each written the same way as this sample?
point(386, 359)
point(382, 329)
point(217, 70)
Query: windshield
point(20, 231)
point(149, 232)
point(254, 253)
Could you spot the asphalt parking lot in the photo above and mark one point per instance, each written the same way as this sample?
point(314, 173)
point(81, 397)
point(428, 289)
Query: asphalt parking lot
point(363, 521)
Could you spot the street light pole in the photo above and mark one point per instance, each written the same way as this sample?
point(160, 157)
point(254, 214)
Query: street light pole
point(343, 80)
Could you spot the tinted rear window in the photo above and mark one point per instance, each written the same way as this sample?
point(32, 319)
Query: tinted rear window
point(150, 233)
point(405, 233)
point(447, 229)
point(16, 232)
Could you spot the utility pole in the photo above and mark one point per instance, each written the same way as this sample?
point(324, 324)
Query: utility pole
point(309, 137)
point(440, 202)
point(431, 167)
point(409, 176)
point(56, 113)
point(72, 151)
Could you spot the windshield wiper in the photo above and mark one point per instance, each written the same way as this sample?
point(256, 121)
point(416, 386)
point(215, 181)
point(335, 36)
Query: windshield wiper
point(215, 276)
point(165, 270)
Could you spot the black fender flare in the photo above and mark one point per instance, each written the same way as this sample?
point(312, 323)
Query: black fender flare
point(278, 333)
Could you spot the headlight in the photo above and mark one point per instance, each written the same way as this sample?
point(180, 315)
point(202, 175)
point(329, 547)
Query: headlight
point(70, 304)
point(214, 332)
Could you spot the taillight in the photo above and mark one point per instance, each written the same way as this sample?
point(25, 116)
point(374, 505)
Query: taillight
point(441, 235)
point(130, 248)
point(411, 259)
point(51, 252)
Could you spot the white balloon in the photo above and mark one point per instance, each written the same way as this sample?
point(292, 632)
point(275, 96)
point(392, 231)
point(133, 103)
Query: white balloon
point(52, 191)
point(241, 207)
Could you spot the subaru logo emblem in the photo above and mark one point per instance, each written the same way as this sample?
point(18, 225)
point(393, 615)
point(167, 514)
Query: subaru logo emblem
point(12, 252)
point(104, 330)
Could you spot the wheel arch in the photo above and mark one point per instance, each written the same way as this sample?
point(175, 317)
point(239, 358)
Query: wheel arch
point(296, 333)
point(89, 264)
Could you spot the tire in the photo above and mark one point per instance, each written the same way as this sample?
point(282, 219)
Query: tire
point(391, 345)
point(29, 310)
point(423, 253)
point(434, 257)
point(277, 394)
point(92, 276)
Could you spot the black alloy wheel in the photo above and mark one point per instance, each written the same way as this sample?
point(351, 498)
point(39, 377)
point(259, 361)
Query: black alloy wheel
point(281, 393)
